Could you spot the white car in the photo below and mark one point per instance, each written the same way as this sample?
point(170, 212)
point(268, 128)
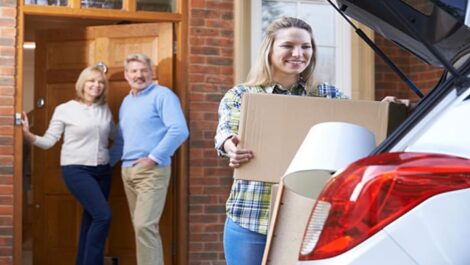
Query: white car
point(408, 203)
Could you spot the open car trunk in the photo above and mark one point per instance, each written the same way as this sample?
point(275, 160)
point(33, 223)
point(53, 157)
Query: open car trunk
point(443, 24)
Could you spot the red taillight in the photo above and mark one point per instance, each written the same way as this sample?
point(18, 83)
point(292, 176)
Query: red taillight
point(373, 192)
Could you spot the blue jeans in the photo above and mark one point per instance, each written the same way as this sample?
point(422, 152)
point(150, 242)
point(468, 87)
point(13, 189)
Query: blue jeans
point(242, 246)
point(90, 185)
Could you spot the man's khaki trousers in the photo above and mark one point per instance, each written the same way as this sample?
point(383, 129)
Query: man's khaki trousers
point(146, 190)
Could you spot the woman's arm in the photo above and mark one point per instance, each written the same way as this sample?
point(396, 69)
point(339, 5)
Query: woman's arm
point(52, 135)
point(229, 119)
point(226, 139)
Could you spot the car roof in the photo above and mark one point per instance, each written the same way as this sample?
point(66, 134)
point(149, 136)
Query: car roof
point(419, 26)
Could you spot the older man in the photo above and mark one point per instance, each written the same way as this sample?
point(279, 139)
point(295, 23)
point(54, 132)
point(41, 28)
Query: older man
point(151, 127)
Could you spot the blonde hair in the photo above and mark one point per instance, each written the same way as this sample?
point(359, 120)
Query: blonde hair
point(138, 57)
point(261, 73)
point(84, 76)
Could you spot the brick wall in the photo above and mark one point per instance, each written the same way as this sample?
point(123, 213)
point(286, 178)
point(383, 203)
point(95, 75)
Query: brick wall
point(7, 92)
point(387, 82)
point(210, 76)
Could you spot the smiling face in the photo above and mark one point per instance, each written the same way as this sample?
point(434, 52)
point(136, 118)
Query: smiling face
point(93, 88)
point(138, 75)
point(290, 54)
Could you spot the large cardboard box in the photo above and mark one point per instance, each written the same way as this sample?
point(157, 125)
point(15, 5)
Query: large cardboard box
point(292, 202)
point(274, 126)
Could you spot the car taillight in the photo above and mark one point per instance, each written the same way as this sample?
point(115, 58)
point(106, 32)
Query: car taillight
point(373, 192)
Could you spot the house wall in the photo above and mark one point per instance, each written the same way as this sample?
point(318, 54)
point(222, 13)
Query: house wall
point(387, 82)
point(210, 74)
point(8, 23)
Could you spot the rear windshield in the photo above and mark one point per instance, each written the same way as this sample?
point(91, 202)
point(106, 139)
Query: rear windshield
point(455, 7)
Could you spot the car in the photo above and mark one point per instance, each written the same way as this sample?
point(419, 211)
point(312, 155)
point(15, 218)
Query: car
point(407, 203)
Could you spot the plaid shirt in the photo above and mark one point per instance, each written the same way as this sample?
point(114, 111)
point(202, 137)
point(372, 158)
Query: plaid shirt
point(249, 201)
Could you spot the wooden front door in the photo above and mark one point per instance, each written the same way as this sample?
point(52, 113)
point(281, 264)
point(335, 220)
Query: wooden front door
point(60, 57)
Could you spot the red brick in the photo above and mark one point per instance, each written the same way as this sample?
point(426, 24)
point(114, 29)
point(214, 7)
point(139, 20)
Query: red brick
point(6, 70)
point(204, 69)
point(198, 3)
point(195, 59)
point(6, 90)
point(8, 32)
point(6, 199)
point(6, 220)
point(205, 50)
point(6, 130)
point(6, 159)
point(6, 241)
point(6, 251)
point(6, 189)
point(6, 210)
point(195, 22)
point(7, 101)
point(7, 22)
point(204, 13)
point(8, 12)
point(7, 51)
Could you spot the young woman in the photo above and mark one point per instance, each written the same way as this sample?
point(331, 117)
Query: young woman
point(285, 66)
point(86, 123)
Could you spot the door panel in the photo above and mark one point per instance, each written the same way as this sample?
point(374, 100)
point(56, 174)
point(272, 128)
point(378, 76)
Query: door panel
point(60, 56)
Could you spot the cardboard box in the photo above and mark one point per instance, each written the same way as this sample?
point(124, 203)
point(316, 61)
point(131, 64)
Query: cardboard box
point(274, 126)
point(291, 205)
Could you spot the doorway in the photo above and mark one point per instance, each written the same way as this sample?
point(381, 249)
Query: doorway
point(52, 62)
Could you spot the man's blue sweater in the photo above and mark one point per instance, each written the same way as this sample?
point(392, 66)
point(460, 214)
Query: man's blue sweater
point(151, 124)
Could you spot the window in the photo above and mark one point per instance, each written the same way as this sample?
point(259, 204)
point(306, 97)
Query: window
point(453, 7)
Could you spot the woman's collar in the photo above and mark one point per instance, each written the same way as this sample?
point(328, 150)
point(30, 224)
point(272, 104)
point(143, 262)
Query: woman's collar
point(296, 89)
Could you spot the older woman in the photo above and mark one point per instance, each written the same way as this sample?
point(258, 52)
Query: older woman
point(86, 123)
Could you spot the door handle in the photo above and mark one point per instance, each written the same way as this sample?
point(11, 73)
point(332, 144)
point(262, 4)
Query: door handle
point(40, 102)
point(102, 66)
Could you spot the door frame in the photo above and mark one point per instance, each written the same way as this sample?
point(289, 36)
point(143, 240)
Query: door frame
point(180, 22)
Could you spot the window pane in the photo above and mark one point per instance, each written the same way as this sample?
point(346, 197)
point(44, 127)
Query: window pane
point(322, 20)
point(157, 5)
point(325, 69)
point(275, 9)
point(106, 4)
point(423, 6)
point(456, 8)
point(47, 2)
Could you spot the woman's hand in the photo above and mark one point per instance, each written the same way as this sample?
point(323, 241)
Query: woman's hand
point(394, 99)
point(410, 106)
point(237, 156)
point(26, 133)
point(25, 122)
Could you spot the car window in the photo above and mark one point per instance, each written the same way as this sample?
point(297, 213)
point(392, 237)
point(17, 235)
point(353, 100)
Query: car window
point(426, 7)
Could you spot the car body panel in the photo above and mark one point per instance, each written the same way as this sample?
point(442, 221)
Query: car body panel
point(447, 134)
point(371, 251)
point(432, 233)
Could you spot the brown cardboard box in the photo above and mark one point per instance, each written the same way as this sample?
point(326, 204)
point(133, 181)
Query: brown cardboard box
point(274, 126)
point(292, 202)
